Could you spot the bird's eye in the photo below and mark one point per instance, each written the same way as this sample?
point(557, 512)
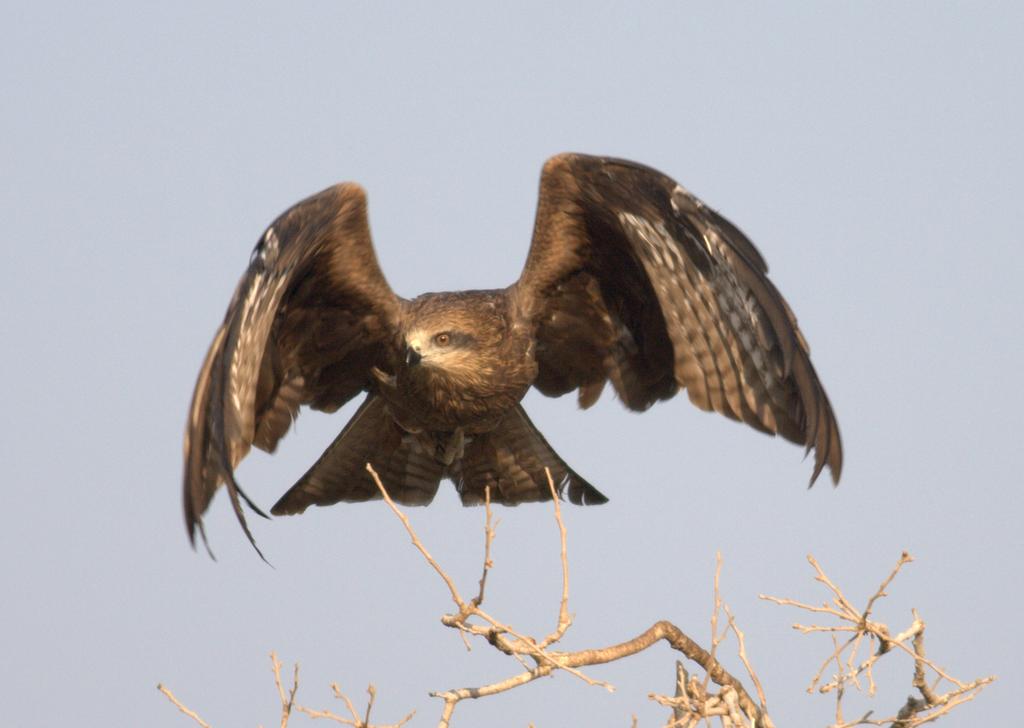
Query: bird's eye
point(443, 339)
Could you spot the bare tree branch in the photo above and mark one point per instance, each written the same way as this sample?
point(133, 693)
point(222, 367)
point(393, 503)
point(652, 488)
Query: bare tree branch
point(716, 697)
point(546, 661)
point(916, 711)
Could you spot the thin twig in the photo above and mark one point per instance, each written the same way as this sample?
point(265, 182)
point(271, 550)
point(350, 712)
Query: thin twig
point(369, 703)
point(181, 706)
point(488, 540)
point(746, 662)
point(287, 701)
point(456, 597)
point(716, 636)
point(564, 618)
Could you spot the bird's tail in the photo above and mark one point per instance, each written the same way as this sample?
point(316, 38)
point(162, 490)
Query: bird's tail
point(371, 436)
point(511, 460)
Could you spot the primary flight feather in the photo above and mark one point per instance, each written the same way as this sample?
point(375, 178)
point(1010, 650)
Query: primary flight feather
point(629, 279)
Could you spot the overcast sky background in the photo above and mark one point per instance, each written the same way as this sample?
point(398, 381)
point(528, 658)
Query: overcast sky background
point(873, 151)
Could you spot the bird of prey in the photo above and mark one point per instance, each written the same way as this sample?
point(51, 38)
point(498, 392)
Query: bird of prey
point(630, 279)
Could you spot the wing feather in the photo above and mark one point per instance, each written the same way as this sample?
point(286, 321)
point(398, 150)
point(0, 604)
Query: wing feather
point(309, 318)
point(682, 301)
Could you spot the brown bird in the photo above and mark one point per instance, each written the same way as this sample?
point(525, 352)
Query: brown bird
point(629, 278)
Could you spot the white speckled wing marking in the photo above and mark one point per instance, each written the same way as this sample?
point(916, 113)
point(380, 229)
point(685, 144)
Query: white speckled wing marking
point(720, 348)
point(312, 300)
point(261, 301)
point(689, 297)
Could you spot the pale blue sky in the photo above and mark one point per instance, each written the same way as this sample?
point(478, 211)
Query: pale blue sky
point(873, 152)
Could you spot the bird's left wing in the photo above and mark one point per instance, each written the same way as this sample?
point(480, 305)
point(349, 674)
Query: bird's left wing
point(309, 319)
point(631, 278)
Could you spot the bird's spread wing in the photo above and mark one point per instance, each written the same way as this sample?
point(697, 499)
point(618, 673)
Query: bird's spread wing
point(632, 278)
point(309, 319)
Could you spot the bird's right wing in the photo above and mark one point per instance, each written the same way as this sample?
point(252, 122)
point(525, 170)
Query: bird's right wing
point(309, 319)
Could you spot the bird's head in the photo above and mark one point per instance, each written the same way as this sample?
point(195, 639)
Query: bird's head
point(440, 346)
point(453, 333)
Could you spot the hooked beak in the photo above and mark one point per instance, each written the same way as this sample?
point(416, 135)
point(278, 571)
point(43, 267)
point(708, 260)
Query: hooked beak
point(412, 357)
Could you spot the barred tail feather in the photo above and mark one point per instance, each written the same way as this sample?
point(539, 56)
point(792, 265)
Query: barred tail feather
point(371, 436)
point(511, 460)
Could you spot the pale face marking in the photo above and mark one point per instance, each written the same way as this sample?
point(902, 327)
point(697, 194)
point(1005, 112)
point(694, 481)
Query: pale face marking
point(433, 353)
